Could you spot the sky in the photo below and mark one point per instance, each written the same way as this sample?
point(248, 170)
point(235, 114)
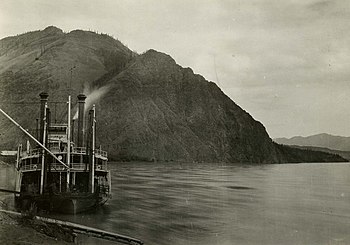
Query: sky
point(285, 62)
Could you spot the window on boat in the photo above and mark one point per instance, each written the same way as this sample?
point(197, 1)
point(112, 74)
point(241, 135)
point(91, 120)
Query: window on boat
point(76, 159)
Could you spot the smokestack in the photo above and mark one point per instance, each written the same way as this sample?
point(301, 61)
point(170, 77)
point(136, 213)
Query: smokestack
point(81, 109)
point(43, 101)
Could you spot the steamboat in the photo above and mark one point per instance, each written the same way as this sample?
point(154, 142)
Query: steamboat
point(58, 174)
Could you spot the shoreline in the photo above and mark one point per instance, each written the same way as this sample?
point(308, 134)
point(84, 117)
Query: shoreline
point(17, 228)
point(20, 230)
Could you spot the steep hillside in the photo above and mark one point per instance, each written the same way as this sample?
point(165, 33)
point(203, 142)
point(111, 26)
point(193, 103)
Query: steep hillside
point(319, 140)
point(149, 108)
point(164, 111)
point(51, 61)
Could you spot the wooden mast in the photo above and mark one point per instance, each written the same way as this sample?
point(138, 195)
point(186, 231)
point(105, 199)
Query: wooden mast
point(68, 142)
point(93, 149)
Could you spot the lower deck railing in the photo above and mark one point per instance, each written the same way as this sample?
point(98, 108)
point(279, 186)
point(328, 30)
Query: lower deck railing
point(58, 166)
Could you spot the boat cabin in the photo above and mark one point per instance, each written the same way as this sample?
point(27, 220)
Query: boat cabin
point(64, 169)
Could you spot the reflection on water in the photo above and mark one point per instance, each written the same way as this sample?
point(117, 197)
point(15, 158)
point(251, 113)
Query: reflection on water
point(173, 203)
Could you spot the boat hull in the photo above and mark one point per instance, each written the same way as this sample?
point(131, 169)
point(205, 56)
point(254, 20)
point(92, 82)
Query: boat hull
point(66, 204)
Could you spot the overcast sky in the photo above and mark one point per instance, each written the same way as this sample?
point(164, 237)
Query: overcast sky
point(285, 62)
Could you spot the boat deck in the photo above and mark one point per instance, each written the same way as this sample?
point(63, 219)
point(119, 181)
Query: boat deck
point(56, 150)
point(75, 167)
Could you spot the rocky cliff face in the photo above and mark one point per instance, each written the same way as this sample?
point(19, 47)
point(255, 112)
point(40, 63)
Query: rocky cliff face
point(163, 111)
point(149, 108)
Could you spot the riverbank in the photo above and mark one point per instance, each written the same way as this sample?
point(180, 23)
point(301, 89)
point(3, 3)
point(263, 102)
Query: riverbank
point(40, 230)
point(20, 230)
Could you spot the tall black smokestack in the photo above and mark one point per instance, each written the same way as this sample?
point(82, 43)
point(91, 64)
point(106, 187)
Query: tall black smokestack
point(81, 109)
point(43, 101)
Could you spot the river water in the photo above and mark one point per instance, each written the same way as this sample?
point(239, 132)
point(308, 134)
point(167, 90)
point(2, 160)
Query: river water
point(208, 204)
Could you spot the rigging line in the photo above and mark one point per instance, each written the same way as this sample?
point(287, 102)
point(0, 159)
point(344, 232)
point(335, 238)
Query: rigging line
point(30, 102)
point(62, 115)
point(19, 103)
point(58, 102)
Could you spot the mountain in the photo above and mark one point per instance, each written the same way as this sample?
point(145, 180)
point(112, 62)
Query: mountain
point(52, 61)
point(148, 107)
point(178, 115)
point(339, 143)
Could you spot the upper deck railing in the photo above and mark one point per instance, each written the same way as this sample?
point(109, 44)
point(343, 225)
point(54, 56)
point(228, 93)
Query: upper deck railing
point(57, 150)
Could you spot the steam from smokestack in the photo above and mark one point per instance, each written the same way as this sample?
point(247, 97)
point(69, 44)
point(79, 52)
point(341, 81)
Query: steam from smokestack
point(76, 113)
point(92, 97)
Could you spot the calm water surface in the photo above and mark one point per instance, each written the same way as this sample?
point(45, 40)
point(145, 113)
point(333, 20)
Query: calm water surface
point(173, 203)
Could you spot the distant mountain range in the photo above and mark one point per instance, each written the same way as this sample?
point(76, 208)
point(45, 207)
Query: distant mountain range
point(329, 141)
point(148, 107)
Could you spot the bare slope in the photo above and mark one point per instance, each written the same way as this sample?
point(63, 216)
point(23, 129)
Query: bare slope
point(51, 61)
point(166, 112)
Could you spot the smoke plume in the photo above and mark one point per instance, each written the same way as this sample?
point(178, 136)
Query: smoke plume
point(91, 97)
